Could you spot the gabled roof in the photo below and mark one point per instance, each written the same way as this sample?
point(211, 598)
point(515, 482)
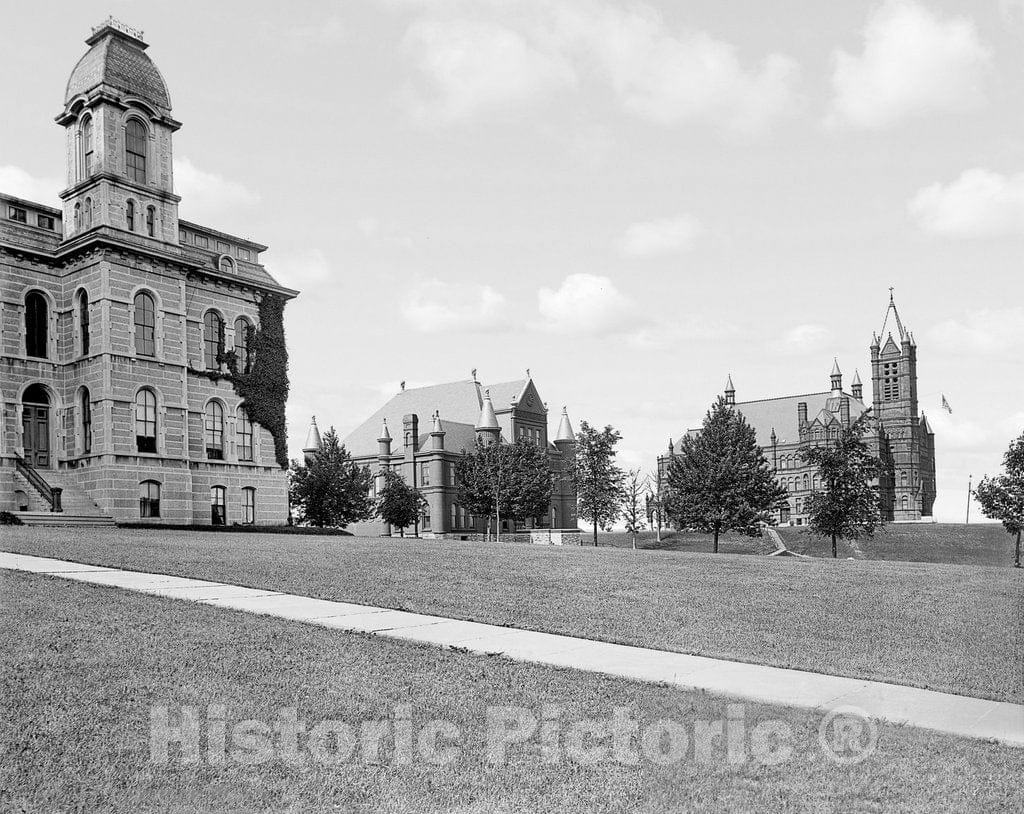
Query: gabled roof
point(458, 403)
point(781, 414)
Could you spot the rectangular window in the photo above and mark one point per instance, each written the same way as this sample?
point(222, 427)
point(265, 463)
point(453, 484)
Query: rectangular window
point(182, 236)
point(425, 521)
point(18, 214)
point(242, 254)
point(45, 222)
point(248, 505)
point(218, 507)
point(149, 499)
point(451, 473)
point(425, 474)
point(202, 241)
point(223, 247)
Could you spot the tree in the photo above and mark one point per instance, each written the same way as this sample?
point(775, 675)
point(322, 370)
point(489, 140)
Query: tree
point(654, 504)
point(596, 478)
point(505, 480)
point(849, 505)
point(1002, 497)
point(633, 504)
point(399, 504)
point(331, 489)
point(719, 480)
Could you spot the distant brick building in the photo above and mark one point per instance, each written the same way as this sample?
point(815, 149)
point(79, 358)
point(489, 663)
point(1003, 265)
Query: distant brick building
point(899, 435)
point(433, 425)
point(112, 313)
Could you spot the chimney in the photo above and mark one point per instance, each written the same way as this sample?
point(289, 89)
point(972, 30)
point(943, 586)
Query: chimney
point(411, 429)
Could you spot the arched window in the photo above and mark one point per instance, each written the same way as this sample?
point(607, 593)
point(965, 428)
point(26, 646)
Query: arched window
point(243, 329)
point(129, 215)
point(807, 482)
point(214, 421)
point(905, 503)
point(213, 339)
point(226, 264)
point(145, 325)
point(151, 221)
point(87, 152)
point(85, 412)
point(135, 151)
point(36, 325)
point(903, 478)
point(145, 420)
point(149, 499)
point(218, 506)
point(87, 214)
point(78, 216)
point(248, 505)
point(244, 427)
point(83, 321)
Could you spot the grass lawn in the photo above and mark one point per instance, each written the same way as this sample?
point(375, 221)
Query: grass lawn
point(692, 541)
point(949, 628)
point(84, 665)
point(955, 543)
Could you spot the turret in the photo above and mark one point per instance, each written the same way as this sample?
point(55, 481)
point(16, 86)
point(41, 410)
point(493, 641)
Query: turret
point(384, 442)
point(487, 428)
point(313, 442)
point(730, 391)
point(856, 388)
point(565, 438)
point(437, 434)
point(837, 378)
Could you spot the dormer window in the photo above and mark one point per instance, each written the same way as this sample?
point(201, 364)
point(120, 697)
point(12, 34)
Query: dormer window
point(135, 151)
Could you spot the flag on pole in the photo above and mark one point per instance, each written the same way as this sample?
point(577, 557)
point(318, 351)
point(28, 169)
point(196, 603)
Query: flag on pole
point(945, 405)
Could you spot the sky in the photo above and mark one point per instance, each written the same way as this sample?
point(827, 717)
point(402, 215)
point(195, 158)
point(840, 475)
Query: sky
point(631, 199)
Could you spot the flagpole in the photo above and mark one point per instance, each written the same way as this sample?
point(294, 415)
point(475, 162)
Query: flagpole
point(968, 521)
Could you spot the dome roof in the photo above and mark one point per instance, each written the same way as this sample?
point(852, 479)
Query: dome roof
point(117, 59)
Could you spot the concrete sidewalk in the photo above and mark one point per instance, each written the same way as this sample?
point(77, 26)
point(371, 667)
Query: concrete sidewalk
point(941, 712)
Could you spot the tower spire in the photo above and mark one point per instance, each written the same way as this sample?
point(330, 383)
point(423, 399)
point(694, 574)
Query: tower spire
point(730, 391)
point(896, 315)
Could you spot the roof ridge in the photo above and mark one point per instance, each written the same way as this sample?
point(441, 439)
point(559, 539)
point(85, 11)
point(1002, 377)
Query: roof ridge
point(782, 398)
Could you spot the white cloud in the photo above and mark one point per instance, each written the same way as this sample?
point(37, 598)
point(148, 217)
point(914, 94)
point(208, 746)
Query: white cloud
point(21, 184)
point(585, 304)
point(660, 236)
point(670, 76)
point(803, 339)
point(990, 331)
point(477, 57)
point(914, 61)
point(206, 194)
point(666, 333)
point(980, 203)
point(473, 65)
point(436, 306)
point(300, 268)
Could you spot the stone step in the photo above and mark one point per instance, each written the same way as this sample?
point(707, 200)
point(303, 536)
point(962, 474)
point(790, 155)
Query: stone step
point(64, 519)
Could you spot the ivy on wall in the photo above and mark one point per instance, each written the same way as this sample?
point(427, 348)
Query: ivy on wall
point(264, 385)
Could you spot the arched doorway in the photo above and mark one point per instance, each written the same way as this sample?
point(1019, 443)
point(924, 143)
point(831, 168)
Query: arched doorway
point(35, 426)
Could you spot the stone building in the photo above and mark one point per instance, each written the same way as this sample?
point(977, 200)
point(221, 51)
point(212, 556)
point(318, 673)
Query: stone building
point(898, 433)
point(114, 313)
point(421, 432)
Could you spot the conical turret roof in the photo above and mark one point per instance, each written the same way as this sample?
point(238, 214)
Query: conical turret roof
point(856, 376)
point(313, 436)
point(385, 433)
point(565, 432)
point(729, 385)
point(488, 420)
point(835, 367)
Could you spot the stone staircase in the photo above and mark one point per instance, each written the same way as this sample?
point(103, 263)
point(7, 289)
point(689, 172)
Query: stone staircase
point(77, 508)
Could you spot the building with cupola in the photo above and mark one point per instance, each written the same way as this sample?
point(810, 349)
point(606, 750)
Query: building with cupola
point(420, 433)
point(124, 329)
point(897, 432)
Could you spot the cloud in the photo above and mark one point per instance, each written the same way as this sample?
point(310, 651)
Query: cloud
point(802, 339)
point(669, 77)
point(207, 194)
point(664, 334)
point(585, 304)
point(980, 203)
point(481, 57)
point(913, 62)
point(473, 65)
point(660, 236)
point(435, 306)
point(989, 331)
point(299, 268)
point(21, 184)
